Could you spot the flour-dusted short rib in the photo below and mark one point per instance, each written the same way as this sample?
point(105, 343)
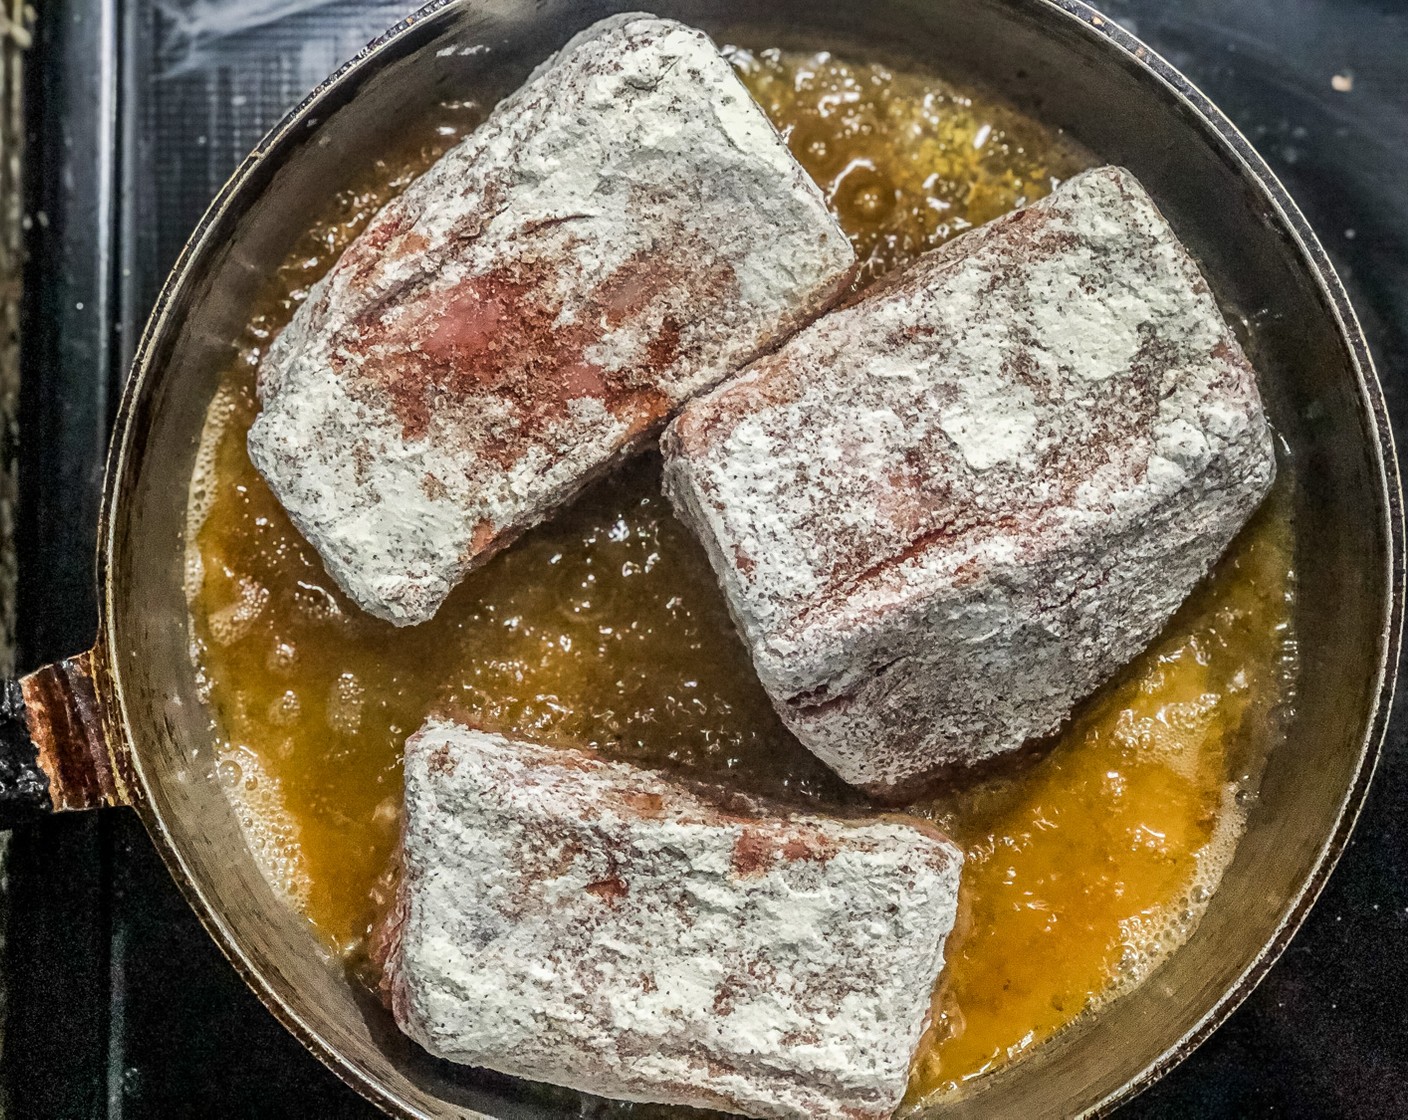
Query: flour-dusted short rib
point(943, 515)
point(623, 232)
point(590, 924)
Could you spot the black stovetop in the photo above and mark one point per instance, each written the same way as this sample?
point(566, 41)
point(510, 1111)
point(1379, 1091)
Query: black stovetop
point(118, 1004)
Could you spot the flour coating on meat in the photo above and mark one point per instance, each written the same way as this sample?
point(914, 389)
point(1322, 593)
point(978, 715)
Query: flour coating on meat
point(583, 922)
point(945, 514)
point(623, 232)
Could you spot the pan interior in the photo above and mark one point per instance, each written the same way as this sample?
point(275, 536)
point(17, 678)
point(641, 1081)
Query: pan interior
point(1056, 69)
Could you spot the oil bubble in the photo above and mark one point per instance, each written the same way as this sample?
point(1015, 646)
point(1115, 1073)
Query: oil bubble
point(228, 773)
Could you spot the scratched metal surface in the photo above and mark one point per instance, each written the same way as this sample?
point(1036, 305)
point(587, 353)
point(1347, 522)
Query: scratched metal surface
point(120, 1007)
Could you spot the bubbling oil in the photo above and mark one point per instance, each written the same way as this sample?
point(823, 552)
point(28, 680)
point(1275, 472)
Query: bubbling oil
point(907, 162)
point(1088, 860)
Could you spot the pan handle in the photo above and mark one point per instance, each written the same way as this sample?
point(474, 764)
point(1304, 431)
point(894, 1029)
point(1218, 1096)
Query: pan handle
point(53, 751)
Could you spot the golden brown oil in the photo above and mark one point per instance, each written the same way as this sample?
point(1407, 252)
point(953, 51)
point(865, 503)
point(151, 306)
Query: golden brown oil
point(1087, 861)
point(1087, 866)
point(906, 161)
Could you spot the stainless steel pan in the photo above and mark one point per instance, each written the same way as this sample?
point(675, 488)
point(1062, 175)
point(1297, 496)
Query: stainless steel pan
point(123, 724)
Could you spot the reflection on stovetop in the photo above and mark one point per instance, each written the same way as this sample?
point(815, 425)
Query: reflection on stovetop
point(120, 1007)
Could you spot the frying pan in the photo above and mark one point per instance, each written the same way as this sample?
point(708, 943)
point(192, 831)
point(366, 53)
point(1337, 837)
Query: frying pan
point(124, 724)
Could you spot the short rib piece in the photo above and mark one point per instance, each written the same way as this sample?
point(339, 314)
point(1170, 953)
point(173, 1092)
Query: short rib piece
point(943, 515)
point(583, 922)
point(622, 233)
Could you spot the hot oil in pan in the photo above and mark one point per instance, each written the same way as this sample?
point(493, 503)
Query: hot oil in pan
point(1087, 862)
